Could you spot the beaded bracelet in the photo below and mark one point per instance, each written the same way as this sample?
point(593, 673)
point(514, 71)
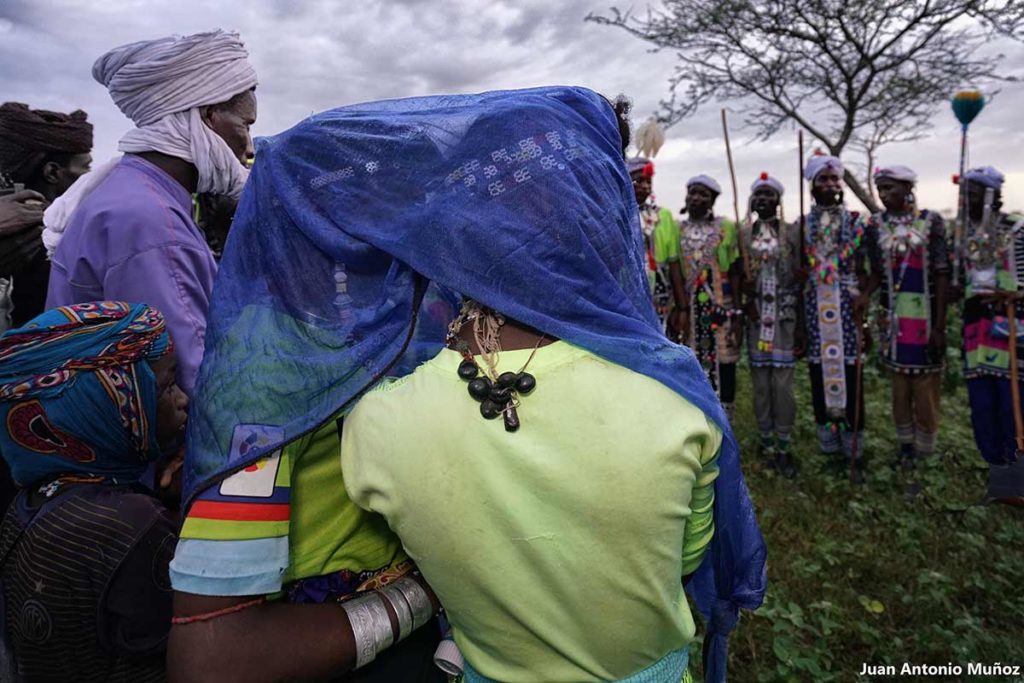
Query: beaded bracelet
point(209, 616)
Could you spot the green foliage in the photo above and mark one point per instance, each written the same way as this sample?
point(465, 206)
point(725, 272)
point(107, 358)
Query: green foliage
point(874, 573)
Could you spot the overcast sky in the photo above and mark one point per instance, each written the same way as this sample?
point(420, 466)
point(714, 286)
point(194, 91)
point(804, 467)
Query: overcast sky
point(312, 56)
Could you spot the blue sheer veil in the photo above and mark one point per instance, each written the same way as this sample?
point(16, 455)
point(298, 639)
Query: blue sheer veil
point(358, 226)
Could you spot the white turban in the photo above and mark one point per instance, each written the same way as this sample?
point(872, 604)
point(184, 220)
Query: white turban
point(151, 79)
point(705, 180)
point(765, 180)
point(986, 176)
point(821, 162)
point(896, 172)
point(161, 85)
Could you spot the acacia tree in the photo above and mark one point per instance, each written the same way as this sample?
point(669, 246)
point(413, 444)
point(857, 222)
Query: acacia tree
point(855, 75)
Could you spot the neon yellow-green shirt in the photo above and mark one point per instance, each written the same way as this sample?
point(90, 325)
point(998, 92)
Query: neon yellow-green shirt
point(324, 532)
point(728, 250)
point(666, 237)
point(285, 517)
point(557, 550)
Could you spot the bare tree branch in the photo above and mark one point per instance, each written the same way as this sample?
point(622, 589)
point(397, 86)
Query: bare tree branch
point(853, 74)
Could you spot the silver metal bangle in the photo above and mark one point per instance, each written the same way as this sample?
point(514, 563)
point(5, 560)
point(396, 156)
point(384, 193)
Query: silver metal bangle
point(419, 601)
point(360, 619)
point(403, 610)
point(383, 634)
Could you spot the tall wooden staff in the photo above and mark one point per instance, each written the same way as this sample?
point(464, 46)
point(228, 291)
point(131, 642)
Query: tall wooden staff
point(1018, 421)
point(858, 388)
point(967, 104)
point(800, 184)
point(735, 200)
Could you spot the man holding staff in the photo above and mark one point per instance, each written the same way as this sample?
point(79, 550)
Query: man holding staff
point(836, 296)
point(912, 318)
point(992, 311)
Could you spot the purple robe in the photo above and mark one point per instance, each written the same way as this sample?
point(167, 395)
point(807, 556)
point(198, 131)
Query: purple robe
point(133, 239)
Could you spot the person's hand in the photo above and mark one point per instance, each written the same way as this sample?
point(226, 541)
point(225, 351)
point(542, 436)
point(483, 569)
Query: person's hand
point(735, 332)
point(799, 343)
point(21, 229)
point(867, 339)
point(1000, 297)
point(21, 211)
point(860, 305)
point(170, 475)
point(171, 469)
point(751, 311)
point(681, 324)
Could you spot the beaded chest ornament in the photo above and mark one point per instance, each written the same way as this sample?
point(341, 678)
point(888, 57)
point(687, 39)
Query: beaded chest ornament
point(765, 249)
point(899, 238)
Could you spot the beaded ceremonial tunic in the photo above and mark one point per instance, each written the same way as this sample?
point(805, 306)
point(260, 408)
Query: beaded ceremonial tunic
point(659, 231)
point(994, 259)
point(834, 246)
point(707, 249)
point(835, 251)
point(774, 257)
point(913, 251)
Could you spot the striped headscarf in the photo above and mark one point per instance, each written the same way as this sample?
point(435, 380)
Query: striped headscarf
point(27, 136)
point(77, 394)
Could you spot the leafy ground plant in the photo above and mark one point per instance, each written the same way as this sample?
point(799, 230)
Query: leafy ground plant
point(874, 573)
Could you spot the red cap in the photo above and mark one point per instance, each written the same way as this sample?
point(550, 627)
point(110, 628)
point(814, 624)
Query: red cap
point(764, 175)
point(956, 178)
point(649, 170)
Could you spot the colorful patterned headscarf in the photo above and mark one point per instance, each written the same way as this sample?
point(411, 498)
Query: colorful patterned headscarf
point(77, 394)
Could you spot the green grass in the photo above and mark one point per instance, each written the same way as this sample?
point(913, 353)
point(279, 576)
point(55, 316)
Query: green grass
point(868, 574)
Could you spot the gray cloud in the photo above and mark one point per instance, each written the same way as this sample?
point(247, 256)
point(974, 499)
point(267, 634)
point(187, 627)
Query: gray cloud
point(316, 55)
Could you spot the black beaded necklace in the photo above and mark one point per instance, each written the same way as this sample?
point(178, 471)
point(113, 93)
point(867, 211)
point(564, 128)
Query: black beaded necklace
point(497, 395)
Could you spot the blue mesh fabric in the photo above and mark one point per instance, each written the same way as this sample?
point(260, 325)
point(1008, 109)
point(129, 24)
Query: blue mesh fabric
point(360, 217)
